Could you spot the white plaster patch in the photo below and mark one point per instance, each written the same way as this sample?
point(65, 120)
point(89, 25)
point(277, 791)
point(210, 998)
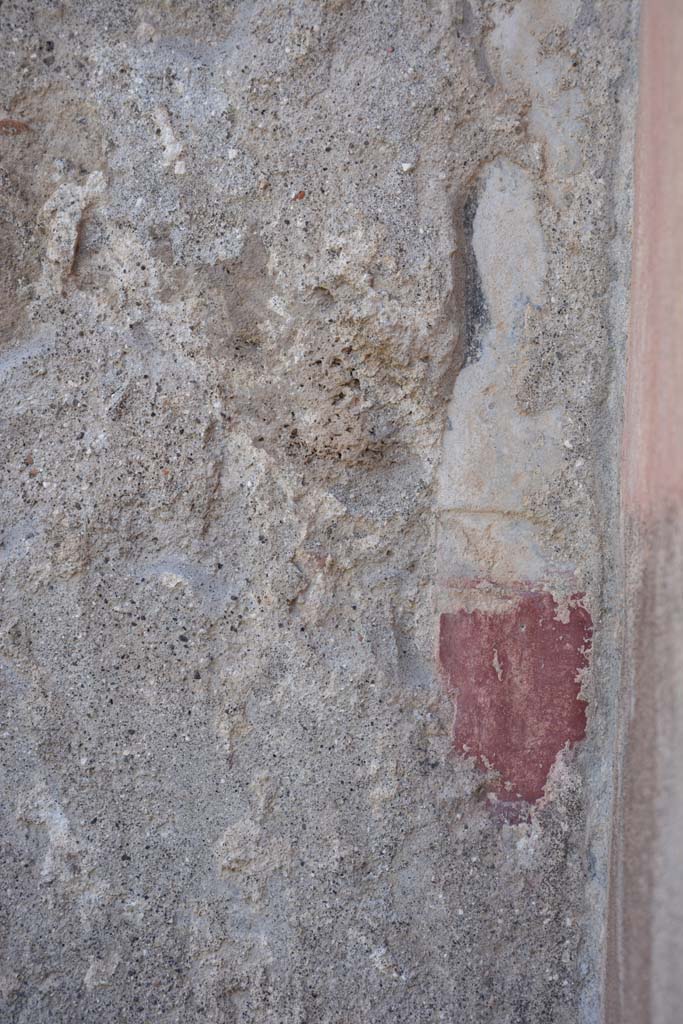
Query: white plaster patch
point(557, 109)
point(505, 548)
point(172, 148)
point(494, 455)
point(63, 215)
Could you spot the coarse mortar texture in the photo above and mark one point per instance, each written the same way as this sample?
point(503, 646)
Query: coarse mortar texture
point(313, 320)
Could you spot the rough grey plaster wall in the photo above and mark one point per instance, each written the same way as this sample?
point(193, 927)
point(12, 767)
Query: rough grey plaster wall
point(247, 250)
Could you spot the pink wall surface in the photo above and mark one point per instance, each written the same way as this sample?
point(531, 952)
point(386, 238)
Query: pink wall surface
point(644, 973)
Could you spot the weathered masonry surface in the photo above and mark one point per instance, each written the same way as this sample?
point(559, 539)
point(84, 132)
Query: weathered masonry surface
point(311, 361)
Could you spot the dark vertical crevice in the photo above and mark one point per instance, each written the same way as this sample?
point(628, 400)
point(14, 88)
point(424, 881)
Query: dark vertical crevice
point(475, 315)
point(466, 308)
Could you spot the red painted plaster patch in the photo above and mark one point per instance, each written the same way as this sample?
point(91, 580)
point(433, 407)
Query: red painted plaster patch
point(515, 676)
point(10, 126)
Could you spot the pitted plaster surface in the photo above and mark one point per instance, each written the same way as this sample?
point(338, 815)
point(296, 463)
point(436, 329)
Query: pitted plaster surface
point(245, 248)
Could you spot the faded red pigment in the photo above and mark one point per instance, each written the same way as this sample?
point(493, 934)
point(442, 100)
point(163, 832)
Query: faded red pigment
point(515, 677)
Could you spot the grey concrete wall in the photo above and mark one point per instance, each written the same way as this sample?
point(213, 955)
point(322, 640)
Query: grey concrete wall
point(311, 367)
